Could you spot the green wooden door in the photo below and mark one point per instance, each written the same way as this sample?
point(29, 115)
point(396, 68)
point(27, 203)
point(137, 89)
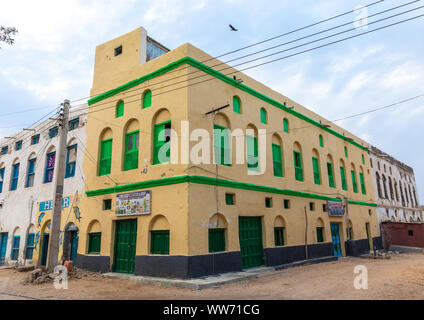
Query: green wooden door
point(250, 234)
point(125, 245)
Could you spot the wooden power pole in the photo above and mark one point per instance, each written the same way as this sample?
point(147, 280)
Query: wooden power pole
point(53, 249)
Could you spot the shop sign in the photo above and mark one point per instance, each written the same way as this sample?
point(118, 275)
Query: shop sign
point(335, 208)
point(134, 203)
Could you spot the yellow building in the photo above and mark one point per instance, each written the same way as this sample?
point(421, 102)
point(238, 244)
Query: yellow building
point(157, 214)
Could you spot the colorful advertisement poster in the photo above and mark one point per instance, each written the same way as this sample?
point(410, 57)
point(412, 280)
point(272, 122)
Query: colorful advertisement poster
point(134, 203)
point(335, 208)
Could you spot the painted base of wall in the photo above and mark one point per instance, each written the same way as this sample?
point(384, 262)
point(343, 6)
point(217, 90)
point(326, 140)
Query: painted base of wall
point(93, 263)
point(184, 267)
point(284, 255)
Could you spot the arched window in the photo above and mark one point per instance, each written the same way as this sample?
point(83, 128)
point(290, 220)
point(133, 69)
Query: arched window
point(132, 137)
point(297, 160)
point(264, 119)
point(50, 162)
point(236, 105)
point(252, 148)
point(391, 189)
point(159, 235)
point(162, 137)
point(216, 233)
point(330, 171)
point(343, 175)
point(320, 231)
point(147, 99)
point(321, 141)
point(94, 237)
point(119, 109)
point(1, 177)
point(385, 187)
point(396, 191)
point(277, 156)
point(353, 175)
point(15, 175)
point(377, 178)
point(105, 152)
point(286, 125)
point(279, 232)
point(316, 167)
point(222, 140)
point(362, 181)
point(30, 171)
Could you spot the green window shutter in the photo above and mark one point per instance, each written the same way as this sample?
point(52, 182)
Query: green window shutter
point(252, 153)
point(105, 157)
point(279, 236)
point(147, 99)
point(159, 242)
point(298, 170)
point(131, 150)
point(216, 240)
point(343, 177)
point(94, 242)
point(236, 105)
point(321, 141)
point(320, 234)
point(330, 174)
point(355, 186)
point(162, 143)
point(221, 142)
point(361, 179)
point(315, 165)
point(363, 159)
point(277, 161)
point(286, 125)
point(263, 116)
point(345, 151)
point(120, 109)
point(229, 199)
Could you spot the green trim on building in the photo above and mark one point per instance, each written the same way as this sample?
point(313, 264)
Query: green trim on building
point(213, 181)
point(194, 63)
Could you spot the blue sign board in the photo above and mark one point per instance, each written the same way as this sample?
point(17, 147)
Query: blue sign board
point(48, 205)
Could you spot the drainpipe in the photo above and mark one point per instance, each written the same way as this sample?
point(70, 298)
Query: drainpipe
point(306, 235)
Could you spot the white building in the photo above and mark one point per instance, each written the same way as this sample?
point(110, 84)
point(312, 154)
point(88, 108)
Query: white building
point(395, 188)
point(27, 162)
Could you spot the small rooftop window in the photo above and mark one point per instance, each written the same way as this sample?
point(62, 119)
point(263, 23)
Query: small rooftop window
point(118, 51)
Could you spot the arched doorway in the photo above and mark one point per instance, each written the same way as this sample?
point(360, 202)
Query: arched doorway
point(70, 242)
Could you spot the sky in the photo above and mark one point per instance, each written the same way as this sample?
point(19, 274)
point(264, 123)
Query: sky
point(53, 57)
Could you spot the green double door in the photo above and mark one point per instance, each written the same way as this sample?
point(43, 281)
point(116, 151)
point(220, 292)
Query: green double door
point(125, 245)
point(250, 234)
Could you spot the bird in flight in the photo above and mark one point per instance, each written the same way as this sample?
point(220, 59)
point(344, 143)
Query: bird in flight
point(232, 28)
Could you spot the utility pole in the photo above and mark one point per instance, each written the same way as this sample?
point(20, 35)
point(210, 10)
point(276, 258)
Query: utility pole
point(347, 217)
point(53, 249)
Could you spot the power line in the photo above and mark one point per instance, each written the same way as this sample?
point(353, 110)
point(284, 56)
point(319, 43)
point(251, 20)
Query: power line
point(228, 67)
point(269, 39)
point(299, 128)
point(261, 64)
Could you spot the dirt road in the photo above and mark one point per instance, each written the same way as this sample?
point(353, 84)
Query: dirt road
point(401, 277)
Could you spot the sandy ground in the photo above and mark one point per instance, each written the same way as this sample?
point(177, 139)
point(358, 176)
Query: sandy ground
point(401, 277)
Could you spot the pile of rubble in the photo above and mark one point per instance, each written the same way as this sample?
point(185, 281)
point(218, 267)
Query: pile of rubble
point(40, 276)
point(379, 254)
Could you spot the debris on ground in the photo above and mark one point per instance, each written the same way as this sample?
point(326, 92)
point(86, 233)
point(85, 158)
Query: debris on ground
point(25, 268)
point(379, 254)
point(40, 276)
